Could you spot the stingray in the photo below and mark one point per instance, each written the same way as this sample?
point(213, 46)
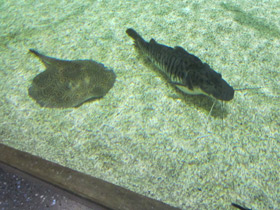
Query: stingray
point(70, 83)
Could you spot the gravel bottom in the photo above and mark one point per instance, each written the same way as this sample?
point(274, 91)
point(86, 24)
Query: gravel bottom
point(22, 191)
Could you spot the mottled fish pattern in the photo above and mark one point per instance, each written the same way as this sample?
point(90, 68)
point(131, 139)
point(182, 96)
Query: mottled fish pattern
point(186, 71)
point(69, 83)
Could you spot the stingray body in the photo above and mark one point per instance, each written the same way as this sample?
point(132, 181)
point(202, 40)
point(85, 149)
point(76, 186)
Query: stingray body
point(186, 71)
point(69, 83)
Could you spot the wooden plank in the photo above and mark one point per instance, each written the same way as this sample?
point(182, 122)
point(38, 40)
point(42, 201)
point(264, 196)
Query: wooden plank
point(23, 191)
point(94, 189)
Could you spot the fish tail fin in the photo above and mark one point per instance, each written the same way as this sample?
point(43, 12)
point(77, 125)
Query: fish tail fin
point(47, 61)
point(34, 52)
point(139, 42)
point(133, 34)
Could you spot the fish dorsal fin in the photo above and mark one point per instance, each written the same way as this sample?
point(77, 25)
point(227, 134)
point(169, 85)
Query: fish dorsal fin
point(180, 50)
point(188, 56)
point(152, 41)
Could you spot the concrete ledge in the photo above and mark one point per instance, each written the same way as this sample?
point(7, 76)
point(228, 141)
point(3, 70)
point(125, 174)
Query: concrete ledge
point(96, 190)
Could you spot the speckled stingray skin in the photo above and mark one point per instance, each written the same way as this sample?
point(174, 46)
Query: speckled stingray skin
point(67, 83)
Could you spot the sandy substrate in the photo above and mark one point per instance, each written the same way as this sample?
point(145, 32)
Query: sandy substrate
point(144, 135)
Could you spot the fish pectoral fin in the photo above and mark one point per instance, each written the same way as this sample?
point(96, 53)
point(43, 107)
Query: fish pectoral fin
point(181, 86)
point(177, 84)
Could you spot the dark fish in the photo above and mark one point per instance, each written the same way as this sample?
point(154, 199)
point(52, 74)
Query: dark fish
point(186, 71)
point(240, 207)
point(67, 83)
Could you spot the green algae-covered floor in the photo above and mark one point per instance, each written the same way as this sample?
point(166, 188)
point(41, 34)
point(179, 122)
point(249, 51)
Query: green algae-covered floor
point(144, 135)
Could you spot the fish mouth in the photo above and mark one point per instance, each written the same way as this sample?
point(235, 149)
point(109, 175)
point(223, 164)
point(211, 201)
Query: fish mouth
point(226, 95)
point(224, 92)
point(218, 89)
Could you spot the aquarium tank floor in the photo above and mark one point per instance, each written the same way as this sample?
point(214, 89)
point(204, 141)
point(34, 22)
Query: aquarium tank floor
point(144, 135)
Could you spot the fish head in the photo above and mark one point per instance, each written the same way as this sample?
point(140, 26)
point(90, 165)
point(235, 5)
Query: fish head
point(212, 84)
